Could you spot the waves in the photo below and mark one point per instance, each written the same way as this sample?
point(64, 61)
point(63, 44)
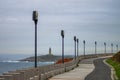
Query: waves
point(14, 61)
point(12, 65)
point(10, 61)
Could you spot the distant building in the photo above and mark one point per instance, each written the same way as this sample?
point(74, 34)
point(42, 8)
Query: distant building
point(50, 51)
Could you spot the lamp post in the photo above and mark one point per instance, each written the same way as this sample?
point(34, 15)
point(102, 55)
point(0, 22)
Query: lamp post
point(75, 46)
point(117, 48)
point(62, 34)
point(111, 47)
point(84, 48)
point(105, 47)
point(95, 48)
point(35, 19)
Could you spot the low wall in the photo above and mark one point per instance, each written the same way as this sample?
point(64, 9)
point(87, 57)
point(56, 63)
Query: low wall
point(45, 72)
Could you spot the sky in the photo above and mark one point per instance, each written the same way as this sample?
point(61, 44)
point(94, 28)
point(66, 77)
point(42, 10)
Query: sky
point(89, 20)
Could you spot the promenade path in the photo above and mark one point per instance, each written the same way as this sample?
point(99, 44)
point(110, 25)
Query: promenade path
point(85, 67)
point(88, 69)
point(101, 71)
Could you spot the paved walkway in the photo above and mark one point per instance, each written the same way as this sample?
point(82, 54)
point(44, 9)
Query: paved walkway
point(101, 71)
point(85, 67)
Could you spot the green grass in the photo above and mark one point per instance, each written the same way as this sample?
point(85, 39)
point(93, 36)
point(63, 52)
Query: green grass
point(116, 66)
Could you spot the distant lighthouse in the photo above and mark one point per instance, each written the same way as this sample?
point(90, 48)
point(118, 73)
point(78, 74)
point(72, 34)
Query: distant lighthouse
point(50, 51)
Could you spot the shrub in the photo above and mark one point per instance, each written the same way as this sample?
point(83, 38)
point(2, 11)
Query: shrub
point(116, 57)
point(65, 60)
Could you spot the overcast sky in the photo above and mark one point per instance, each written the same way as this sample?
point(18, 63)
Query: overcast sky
point(90, 20)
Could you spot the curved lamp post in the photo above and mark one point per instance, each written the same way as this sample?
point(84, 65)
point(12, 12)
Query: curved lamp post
point(62, 34)
point(75, 46)
point(35, 19)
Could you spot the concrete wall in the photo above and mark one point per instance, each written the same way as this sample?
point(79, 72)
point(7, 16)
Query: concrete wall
point(45, 72)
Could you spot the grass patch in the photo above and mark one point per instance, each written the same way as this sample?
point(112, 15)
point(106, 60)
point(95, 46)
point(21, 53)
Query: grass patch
point(116, 66)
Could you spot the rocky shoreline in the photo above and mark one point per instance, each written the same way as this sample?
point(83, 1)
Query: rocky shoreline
point(45, 58)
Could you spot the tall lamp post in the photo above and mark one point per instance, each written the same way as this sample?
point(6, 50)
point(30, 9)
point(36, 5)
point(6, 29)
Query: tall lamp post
point(111, 47)
point(84, 48)
point(75, 46)
point(35, 19)
point(95, 48)
point(62, 34)
point(105, 47)
point(117, 48)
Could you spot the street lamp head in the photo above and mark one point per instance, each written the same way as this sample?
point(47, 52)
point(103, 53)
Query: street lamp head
point(35, 16)
point(74, 38)
point(116, 45)
point(62, 33)
point(104, 43)
point(77, 40)
point(84, 41)
point(112, 44)
point(95, 42)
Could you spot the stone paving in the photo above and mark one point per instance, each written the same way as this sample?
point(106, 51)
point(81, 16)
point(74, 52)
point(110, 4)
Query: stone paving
point(85, 67)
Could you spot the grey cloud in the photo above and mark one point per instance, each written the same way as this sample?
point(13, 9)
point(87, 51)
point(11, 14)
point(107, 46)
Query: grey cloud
point(86, 19)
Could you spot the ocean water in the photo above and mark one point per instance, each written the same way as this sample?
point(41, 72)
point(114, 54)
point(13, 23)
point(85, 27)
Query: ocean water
point(6, 66)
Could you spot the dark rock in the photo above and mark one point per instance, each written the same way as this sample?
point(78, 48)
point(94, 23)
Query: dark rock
point(45, 58)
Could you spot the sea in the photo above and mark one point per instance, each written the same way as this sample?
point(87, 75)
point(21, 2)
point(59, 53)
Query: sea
point(6, 66)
